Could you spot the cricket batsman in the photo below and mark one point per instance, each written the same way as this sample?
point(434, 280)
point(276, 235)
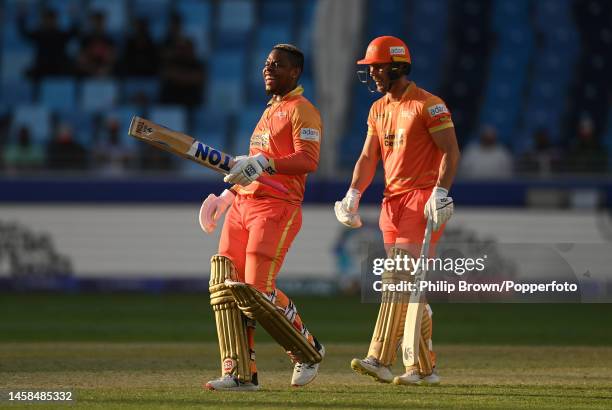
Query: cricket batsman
point(412, 132)
point(260, 225)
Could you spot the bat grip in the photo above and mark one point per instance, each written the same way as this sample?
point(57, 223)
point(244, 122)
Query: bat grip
point(273, 184)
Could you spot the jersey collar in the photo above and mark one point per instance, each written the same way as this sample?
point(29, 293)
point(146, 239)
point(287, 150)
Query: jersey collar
point(411, 87)
point(299, 90)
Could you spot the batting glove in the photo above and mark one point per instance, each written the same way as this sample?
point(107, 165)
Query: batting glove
point(346, 210)
point(213, 208)
point(247, 169)
point(439, 208)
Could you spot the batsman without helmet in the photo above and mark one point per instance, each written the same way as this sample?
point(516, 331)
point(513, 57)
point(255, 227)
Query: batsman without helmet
point(259, 227)
point(412, 132)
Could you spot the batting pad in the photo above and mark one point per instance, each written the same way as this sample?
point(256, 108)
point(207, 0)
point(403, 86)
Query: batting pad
point(389, 327)
point(231, 326)
point(255, 306)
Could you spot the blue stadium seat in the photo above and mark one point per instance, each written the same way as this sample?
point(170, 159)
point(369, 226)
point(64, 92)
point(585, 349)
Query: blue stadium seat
point(140, 85)
point(277, 11)
point(247, 121)
point(195, 12)
point(170, 116)
point(200, 36)
point(268, 36)
point(225, 95)
point(309, 89)
point(16, 92)
point(98, 95)
point(228, 65)
point(36, 118)
point(15, 63)
point(235, 18)
point(66, 10)
point(58, 93)
point(211, 121)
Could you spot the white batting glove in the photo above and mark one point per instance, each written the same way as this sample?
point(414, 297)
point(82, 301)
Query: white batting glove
point(346, 210)
point(439, 207)
point(213, 208)
point(247, 170)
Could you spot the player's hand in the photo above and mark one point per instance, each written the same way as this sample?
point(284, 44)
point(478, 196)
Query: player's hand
point(439, 208)
point(247, 169)
point(346, 210)
point(213, 208)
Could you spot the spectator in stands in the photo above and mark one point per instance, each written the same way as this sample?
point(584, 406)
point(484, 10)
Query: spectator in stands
point(110, 156)
point(543, 158)
point(182, 76)
point(64, 153)
point(486, 159)
point(174, 35)
point(50, 43)
point(141, 55)
point(587, 154)
point(23, 155)
point(98, 53)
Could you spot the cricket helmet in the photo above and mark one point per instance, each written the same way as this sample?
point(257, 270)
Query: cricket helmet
point(386, 49)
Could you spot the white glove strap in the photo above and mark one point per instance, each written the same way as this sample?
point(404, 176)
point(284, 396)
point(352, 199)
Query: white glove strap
point(440, 192)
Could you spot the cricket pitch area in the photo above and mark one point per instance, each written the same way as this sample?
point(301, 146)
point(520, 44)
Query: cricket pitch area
point(156, 351)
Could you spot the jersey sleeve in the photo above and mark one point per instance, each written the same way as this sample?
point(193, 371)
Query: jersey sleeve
point(436, 115)
point(372, 123)
point(307, 132)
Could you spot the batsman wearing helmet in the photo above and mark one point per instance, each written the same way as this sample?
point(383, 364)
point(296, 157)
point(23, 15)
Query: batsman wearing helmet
point(260, 226)
point(412, 132)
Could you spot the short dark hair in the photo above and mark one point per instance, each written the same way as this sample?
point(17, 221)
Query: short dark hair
point(296, 57)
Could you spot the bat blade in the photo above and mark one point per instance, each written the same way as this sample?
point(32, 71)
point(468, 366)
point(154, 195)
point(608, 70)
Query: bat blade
point(188, 147)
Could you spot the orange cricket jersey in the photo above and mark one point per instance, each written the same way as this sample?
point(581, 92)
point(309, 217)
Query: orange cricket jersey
point(411, 159)
point(289, 134)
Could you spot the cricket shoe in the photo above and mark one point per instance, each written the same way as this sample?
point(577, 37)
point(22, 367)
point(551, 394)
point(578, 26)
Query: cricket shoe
point(370, 366)
point(304, 373)
point(230, 382)
point(413, 377)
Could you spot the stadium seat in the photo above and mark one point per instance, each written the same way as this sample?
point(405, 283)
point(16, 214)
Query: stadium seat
point(235, 20)
point(16, 92)
point(156, 12)
point(225, 95)
point(81, 122)
point(170, 116)
point(140, 85)
point(277, 12)
point(36, 118)
point(58, 93)
point(15, 63)
point(97, 95)
point(246, 124)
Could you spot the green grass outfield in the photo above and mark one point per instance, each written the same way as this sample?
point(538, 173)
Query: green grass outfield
point(154, 351)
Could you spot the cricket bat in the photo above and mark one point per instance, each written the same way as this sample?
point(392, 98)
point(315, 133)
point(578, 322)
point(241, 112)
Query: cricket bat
point(190, 148)
point(413, 346)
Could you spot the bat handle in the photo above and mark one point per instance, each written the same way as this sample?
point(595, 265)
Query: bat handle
point(273, 184)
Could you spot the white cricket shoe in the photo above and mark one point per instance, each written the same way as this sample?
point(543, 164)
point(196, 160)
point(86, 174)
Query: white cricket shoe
point(432, 380)
point(229, 382)
point(370, 366)
point(304, 373)
point(413, 377)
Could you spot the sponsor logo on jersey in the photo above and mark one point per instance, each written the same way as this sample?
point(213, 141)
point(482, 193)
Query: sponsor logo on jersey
point(437, 110)
point(310, 134)
point(261, 141)
point(392, 141)
point(397, 51)
point(281, 114)
point(407, 114)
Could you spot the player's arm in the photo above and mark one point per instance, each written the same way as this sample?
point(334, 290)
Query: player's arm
point(307, 133)
point(439, 208)
point(365, 168)
point(446, 140)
